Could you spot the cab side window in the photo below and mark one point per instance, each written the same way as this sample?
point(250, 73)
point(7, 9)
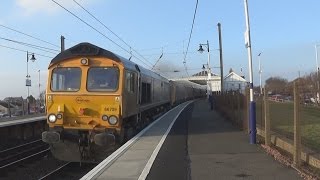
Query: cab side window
point(130, 79)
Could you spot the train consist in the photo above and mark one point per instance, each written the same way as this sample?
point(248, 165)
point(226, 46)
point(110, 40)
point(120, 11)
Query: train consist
point(96, 99)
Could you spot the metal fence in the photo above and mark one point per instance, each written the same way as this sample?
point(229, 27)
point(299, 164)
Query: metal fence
point(287, 121)
point(233, 105)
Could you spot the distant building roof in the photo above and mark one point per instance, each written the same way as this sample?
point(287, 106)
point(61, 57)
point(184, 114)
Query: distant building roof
point(5, 104)
point(234, 76)
point(204, 73)
point(12, 99)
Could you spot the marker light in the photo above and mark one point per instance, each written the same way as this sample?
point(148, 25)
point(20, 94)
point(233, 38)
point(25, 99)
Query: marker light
point(59, 116)
point(105, 117)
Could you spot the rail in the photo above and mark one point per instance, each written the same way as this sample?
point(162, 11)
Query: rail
point(20, 153)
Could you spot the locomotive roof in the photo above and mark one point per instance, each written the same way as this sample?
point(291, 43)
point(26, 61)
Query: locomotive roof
point(87, 49)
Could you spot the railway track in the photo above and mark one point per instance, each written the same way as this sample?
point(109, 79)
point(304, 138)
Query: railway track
point(18, 154)
point(54, 172)
point(69, 170)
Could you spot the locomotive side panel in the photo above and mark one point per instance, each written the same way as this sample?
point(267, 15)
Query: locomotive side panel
point(152, 91)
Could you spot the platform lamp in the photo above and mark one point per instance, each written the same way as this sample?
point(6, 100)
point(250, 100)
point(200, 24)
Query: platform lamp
point(252, 107)
point(28, 80)
point(208, 66)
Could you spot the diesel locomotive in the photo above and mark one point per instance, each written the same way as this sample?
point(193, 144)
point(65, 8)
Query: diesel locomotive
point(96, 99)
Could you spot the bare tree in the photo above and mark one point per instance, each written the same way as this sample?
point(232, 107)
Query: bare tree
point(42, 97)
point(277, 85)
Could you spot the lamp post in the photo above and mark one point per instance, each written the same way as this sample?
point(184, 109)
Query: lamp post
point(28, 80)
point(252, 110)
point(260, 71)
point(317, 65)
point(39, 92)
point(208, 67)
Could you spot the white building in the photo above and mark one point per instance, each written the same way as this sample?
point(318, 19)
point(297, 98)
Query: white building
point(231, 82)
point(234, 82)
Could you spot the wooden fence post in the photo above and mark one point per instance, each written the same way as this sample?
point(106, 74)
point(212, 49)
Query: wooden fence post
point(297, 126)
point(266, 118)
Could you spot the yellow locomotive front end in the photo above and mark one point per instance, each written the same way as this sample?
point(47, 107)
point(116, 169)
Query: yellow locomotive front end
point(83, 101)
point(84, 97)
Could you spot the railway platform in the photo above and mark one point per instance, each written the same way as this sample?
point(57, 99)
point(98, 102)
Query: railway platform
point(190, 142)
point(21, 120)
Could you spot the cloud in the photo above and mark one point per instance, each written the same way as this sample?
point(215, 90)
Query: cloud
point(31, 7)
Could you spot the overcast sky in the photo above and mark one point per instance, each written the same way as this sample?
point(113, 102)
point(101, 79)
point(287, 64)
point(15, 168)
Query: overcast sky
point(284, 31)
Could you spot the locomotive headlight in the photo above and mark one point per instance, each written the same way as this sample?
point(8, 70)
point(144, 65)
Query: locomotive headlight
point(52, 118)
point(105, 117)
point(113, 120)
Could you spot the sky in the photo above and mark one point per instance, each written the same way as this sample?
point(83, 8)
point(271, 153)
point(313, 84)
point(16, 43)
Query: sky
point(286, 33)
